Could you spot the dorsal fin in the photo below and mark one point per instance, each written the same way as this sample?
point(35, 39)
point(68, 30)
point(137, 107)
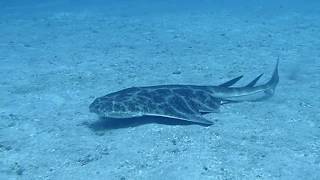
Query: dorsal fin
point(253, 82)
point(231, 82)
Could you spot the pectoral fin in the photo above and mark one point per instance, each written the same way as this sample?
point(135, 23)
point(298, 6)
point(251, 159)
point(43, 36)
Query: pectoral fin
point(199, 119)
point(206, 111)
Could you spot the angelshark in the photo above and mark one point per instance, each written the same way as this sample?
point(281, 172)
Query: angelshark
point(183, 102)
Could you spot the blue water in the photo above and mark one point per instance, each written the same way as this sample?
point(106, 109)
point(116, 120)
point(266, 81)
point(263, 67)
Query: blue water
point(56, 57)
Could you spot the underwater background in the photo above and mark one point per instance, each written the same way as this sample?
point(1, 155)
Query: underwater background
point(57, 56)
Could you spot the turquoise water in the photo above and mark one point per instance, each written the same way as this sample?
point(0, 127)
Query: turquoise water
point(56, 57)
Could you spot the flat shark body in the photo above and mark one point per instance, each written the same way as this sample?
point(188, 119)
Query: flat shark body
point(183, 102)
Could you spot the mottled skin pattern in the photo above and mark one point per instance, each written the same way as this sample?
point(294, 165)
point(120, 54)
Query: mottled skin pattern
point(184, 102)
point(176, 101)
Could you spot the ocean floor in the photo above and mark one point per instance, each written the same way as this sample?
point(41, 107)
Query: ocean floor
point(54, 64)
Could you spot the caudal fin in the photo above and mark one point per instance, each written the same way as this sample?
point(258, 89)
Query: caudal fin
point(273, 82)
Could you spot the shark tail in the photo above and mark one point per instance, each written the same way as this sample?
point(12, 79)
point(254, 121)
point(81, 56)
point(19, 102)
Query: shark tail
point(273, 82)
point(250, 92)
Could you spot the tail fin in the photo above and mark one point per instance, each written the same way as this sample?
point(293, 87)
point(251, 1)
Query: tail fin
point(250, 92)
point(273, 82)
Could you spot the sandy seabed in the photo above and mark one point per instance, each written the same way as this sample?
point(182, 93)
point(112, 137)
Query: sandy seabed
point(53, 66)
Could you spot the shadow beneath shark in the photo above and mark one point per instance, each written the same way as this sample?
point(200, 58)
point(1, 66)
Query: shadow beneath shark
point(114, 123)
